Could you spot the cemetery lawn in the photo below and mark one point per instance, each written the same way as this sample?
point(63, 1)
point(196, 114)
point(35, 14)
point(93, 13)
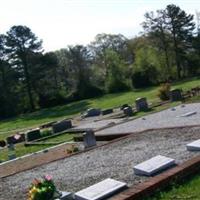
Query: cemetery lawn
point(22, 150)
point(22, 122)
point(188, 190)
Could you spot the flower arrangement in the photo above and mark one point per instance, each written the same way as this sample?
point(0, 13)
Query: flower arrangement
point(42, 189)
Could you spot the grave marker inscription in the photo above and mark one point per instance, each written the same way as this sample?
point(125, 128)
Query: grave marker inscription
point(153, 165)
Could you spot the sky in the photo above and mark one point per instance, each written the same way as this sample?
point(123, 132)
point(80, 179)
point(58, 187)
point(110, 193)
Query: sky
point(69, 22)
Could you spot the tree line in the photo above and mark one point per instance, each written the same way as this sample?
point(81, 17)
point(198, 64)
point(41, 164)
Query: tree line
point(167, 50)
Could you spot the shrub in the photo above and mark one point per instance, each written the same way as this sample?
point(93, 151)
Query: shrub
point(73, 149)
point(46, 132)
point(163, 91)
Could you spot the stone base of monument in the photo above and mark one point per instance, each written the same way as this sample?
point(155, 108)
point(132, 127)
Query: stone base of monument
point(101, 190)
point(65, 196)
point(194, 146)
point(154, 165)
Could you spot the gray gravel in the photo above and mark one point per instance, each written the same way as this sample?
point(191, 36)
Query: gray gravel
point(167, 118)
point(115, 161)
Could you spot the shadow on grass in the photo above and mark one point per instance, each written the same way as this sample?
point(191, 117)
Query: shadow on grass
point(59, 111)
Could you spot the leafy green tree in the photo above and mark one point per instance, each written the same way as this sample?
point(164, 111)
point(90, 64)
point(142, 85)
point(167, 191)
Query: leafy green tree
point(21, 43)
point(79, 61)
point(146, 66)
point(116, 76)
point(156, 28)
point(102, 43)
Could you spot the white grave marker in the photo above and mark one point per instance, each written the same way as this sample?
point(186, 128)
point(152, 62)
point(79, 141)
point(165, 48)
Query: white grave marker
point(189, 114)
point(153, 165)
point(193, 146)
point(100, 190)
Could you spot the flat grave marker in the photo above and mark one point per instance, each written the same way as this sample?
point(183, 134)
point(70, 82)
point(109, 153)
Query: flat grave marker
point(100, 190)
point(194, 146)
point(189, 114)
point(153, 165)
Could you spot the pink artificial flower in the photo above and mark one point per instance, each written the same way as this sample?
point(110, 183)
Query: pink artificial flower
point(48, 177)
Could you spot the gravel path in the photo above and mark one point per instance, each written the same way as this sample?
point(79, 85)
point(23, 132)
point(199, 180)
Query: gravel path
point(166, 118)
point(115, 160)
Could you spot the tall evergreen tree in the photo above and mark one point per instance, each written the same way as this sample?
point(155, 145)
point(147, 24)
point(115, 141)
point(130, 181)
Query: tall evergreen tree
point(21, 43)
point(181, 27)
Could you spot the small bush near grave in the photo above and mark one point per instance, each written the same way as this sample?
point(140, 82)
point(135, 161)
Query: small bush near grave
point(46, 132)
point(43, 189)
point(73, 149)
point(163, 91)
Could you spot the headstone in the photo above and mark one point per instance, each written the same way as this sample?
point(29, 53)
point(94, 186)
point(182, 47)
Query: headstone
point(92, 112)
point(33, 134)
point(107, 111)
point(11, 152)
point(128, 111)
point(62, 126)
point(124, 106)
point(17, 138)
point(2, 143)
point(153, 165)
point(89, 139)
point(175, 95)
point(101, 190)
point(194, 146)
point(141, 104)
point(10, 140)
point(189, 114)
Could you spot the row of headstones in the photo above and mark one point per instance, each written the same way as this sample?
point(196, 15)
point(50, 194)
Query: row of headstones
point(109, 187)
point(35, 134)
point(57, 127)
point(92, 112)
point(141, 105)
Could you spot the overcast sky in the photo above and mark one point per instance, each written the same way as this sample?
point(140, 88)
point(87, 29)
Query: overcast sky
point(68, 22)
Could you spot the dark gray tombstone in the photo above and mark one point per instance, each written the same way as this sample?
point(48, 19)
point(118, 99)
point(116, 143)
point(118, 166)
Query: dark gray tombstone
point(62, 126)
point(124, 106)
point(2, 143)
point(107, 111)
point(11, 151)
point(93, 112)
point(10, 140)
point(89, 139)
point(175, 95)
point(33, 135)
point(17, 138)
point(128, 111)
point(141, 104)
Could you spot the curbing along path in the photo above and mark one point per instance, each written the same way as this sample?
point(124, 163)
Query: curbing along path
point(147, 188)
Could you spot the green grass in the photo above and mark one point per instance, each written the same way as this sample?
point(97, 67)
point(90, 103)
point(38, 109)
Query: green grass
point(10, 126)
point(189, 190)
point(22, 150)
